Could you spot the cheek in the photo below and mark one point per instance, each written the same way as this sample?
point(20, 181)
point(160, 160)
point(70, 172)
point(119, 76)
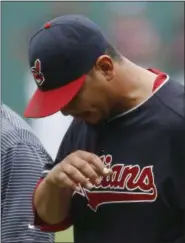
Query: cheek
point(93, 97)
point(97, 102)
point(86, 100)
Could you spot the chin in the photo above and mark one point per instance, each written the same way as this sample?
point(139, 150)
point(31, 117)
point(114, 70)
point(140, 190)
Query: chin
point(91, 119)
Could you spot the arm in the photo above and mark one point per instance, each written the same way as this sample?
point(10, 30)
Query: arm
point(21, 168)
point(57, 199)
point(52, 198)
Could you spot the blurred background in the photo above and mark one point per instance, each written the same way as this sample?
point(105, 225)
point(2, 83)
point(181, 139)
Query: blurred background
point(148, 33)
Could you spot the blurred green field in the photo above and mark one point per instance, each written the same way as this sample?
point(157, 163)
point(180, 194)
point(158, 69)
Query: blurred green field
point(65, 236)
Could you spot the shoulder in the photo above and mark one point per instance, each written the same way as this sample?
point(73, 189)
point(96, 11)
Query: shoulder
point(171, 98)
point(172, 101)
point(17, 135)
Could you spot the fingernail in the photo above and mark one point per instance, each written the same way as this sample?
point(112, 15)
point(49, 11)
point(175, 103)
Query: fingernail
point(106, 171)
point(98, 181)
point(89, 185)
point(110, 171)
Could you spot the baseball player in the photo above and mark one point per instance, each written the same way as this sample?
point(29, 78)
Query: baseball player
point(119, 176)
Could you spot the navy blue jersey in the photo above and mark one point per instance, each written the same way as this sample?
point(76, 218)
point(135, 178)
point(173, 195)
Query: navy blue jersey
point(144, 200)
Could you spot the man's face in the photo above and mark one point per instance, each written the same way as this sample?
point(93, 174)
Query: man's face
point(93, 103)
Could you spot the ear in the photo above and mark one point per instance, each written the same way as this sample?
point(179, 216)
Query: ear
point(105, 64)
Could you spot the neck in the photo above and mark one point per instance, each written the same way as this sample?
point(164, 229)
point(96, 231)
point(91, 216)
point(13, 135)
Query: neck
point(135, 84)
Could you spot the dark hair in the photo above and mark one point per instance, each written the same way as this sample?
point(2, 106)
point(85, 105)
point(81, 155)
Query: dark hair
point(113, 53)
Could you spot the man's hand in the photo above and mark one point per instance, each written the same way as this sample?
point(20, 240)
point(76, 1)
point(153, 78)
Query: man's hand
point(77, 168)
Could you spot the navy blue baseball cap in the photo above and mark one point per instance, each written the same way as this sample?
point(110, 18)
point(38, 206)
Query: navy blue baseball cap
point(61, 54)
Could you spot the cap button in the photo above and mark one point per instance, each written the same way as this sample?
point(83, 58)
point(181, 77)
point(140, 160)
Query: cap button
point(47, 25)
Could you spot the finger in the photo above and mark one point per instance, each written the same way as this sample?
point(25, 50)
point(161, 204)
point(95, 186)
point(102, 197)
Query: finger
point(64, 180)
point(77, 176)
point(106, 172)
point(100, 167)
point(86, 169)
point(95, 161)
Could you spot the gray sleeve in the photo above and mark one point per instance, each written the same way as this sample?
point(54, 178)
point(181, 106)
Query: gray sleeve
point(21, 169)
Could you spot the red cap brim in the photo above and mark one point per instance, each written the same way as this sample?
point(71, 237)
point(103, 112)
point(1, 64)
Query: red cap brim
point(46, 103)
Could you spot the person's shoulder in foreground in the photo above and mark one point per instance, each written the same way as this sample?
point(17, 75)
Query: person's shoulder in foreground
point(22, 160)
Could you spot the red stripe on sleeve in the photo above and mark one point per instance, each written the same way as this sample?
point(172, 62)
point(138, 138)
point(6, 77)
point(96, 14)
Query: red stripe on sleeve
point(43, 226)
